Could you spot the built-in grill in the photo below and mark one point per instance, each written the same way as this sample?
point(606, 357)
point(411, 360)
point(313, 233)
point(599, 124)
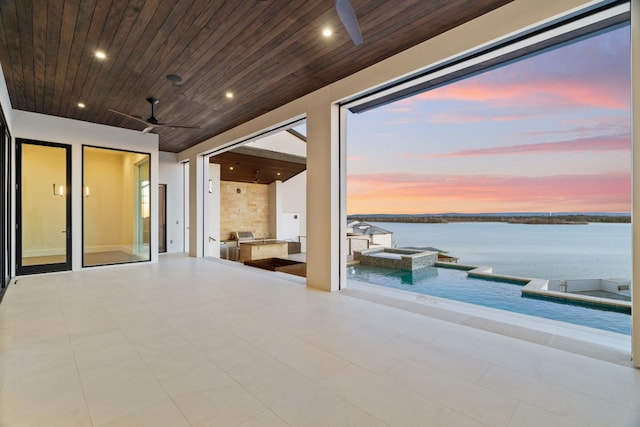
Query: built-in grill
point(232, 246)
point(246, 239)
point(243, 236)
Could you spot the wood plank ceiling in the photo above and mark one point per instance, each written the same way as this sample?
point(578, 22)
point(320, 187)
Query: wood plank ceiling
point(258, 166)
point(267, 53)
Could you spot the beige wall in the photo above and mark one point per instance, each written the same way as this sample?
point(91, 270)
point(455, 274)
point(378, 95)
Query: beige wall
point(103, 175)
point(109, 210)
point(44, 214)
point(244, 211)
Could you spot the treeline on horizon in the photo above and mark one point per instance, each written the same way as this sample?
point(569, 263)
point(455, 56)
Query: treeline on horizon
point(512, 219)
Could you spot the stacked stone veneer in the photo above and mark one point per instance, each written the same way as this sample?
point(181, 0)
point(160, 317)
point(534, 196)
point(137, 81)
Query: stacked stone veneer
point(406, 259)
point(247, 210)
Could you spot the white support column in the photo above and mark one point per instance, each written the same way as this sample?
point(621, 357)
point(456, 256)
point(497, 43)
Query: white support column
point(212, 191)
point(635, 208)
point(196, 206)
point(323, 195)
point(275, 209)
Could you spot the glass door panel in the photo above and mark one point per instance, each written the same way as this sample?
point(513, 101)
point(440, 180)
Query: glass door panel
point(44, 208)
point(116, 206)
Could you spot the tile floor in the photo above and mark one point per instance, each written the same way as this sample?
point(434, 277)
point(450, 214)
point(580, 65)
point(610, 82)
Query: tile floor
point(196, 342)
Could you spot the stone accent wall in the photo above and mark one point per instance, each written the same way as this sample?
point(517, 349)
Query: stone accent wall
point(247, 210)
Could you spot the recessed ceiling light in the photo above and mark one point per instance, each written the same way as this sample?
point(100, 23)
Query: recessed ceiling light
point(278, 173)
point(230, 168)
point(100, 54)
point(327, 32)
point(229, 94)
point(81, 105)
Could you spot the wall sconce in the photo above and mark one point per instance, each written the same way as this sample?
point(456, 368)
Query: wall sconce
point(58, 190)
point(210, 186)
point(87, 192)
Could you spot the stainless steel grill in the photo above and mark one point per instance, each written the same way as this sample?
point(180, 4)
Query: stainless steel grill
point(243, 236)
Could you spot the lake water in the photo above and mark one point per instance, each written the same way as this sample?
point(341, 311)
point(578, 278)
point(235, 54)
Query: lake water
point(540, 251)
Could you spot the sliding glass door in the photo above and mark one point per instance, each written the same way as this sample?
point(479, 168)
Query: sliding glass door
point(44, 207)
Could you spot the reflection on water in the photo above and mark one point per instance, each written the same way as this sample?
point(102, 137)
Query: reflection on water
point(414, 276)
point(455, 285)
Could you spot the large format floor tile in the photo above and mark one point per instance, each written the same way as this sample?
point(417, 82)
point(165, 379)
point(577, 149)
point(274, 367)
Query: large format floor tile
point(197, 342)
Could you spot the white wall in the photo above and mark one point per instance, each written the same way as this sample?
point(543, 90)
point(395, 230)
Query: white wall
point(282, 142)
point(214, 211)
point(293, 191)
point(275, 209)
point(77, 133)
point(294, 200)
point(170, 173)
point(382, 239)
point(5, 102)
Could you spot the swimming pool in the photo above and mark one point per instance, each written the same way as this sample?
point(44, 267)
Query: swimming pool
point(455, 285)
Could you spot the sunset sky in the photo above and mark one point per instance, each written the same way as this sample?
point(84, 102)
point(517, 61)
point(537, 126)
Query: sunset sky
point(550, 133)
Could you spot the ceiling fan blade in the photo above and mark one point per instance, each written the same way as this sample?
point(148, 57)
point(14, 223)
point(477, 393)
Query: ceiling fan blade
point(152, 122)
point(129, 116)
point(173, 125)
point(349, 20)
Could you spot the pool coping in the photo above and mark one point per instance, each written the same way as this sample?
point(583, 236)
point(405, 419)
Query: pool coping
point(539, 288)
point(590, 342)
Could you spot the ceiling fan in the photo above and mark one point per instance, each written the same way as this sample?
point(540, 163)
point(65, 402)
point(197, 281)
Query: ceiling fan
point(349, 20)
point(152, 122)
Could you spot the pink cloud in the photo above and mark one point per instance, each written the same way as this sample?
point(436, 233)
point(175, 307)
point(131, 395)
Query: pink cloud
point(477, 116)
point(413, 193)
point(537, 90)
point(577, 145)
point(593, 73)
point(355, 159)
point(400, 121)
point(587, 127)
point(399, 110)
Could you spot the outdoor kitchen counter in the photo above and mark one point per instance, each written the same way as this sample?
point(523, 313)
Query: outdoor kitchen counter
point(250, 251)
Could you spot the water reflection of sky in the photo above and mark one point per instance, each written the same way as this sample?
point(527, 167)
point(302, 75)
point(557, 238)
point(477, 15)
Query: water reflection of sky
point(455, 285)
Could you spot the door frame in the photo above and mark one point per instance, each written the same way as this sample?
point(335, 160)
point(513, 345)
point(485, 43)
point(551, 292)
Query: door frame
point(5, 203)
point(42, 268)
point(162, 218)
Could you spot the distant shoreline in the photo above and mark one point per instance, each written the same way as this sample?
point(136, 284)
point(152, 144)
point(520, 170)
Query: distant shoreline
point(570, 219)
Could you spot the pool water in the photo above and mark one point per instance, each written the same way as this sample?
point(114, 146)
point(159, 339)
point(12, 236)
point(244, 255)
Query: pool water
point(455, 285)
